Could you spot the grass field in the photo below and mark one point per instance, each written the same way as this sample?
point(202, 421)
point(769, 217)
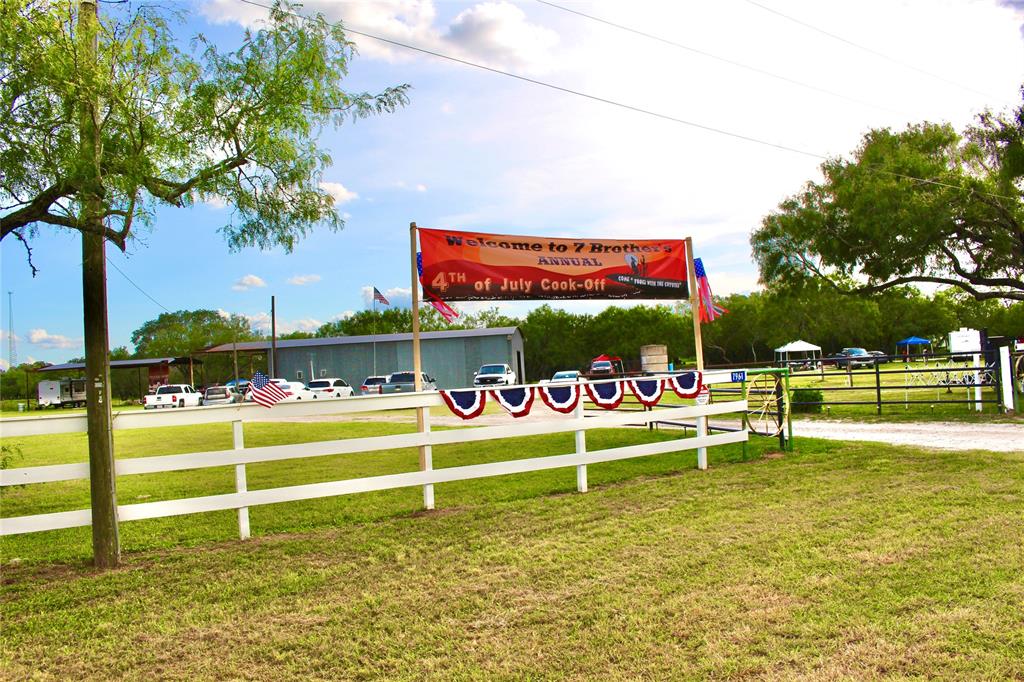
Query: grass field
point(837, 560)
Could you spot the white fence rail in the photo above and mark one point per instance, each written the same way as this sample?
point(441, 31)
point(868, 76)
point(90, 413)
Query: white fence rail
point(239, 456)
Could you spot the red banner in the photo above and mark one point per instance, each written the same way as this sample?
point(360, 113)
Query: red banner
point(472, 266)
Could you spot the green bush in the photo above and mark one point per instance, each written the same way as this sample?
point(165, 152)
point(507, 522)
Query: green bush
point(806, 395)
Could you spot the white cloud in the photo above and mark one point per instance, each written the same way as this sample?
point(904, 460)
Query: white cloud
point(421, 188)
point(261, 323)
point(344, 315)
point(302, 280)
point(4, 335)
point(44, 339)
point(4, 365)
point(340, 193)
point(497, 33)
point(248, 282)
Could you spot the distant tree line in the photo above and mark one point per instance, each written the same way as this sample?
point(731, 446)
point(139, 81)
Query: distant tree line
point(555, 339)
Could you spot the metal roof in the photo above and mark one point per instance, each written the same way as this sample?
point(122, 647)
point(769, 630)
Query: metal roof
point(249, 346)
point(120, 364)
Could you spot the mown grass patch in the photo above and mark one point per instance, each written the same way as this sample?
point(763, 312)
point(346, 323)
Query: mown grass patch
point(838, 560)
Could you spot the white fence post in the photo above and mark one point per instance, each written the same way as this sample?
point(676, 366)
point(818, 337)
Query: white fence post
point(702, 453)
point(240, 483)
point(1006, 378)
point(428, 462)
point(977, 382)
point(581, 447)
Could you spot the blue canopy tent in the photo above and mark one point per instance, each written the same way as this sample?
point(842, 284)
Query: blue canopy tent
point(911, 341)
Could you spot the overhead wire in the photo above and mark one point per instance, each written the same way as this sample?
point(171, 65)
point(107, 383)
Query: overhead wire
point(724, 60)
point(869, 50)
point(132, 282)
point(622, 105)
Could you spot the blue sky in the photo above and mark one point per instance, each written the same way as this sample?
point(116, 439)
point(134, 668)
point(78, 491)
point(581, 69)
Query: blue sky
point(480, 151)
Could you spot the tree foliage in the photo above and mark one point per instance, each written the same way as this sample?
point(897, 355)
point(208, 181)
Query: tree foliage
point(173, 127)
point(926, 204)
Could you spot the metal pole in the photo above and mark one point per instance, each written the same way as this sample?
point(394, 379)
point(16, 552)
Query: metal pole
point(375, 333)
point(878, 388)
point(272, 362)
point(702, 422)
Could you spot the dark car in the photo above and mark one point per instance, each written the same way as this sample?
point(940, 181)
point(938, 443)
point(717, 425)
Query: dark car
point(852, 358)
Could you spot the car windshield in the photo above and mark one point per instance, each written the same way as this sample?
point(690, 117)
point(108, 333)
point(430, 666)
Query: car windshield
point(402, 378)
point(373, 381)
point(320, 383)
point(163, 390)
point(601, 364)
point(856, 351)
point(492, 369)
point(564, 375)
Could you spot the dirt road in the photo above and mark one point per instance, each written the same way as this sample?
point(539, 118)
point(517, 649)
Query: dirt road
point(942, 435)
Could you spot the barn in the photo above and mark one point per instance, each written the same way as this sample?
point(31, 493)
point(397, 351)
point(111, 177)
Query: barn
point(450, 357)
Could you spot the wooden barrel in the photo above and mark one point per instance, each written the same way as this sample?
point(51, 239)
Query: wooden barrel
point(654, 358)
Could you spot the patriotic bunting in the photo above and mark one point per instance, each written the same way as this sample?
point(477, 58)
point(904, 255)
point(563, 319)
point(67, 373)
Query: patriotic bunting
point(517, 401)
point(686, 385)
point(647, 391)
point(561, 398)
point(466, 404)
point(606, 394)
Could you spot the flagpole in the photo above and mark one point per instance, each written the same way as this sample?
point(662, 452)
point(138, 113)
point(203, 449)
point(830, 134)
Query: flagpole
point(694, 304)
point(375, 331)
point(422, 413)
point(702, 422)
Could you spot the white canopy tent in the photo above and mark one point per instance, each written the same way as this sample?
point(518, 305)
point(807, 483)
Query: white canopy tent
point(806, 350)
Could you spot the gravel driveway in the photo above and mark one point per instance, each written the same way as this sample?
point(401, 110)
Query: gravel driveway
point(942, 435)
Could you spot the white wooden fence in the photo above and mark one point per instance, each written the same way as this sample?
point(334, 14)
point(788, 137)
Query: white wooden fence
point(240, 456)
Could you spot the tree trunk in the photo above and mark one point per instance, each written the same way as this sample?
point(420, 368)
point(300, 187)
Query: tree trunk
point(105, 543)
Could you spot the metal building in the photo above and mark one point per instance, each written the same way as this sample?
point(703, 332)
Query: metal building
point(450, 357)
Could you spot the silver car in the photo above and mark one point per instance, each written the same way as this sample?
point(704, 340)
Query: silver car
point(221, 395)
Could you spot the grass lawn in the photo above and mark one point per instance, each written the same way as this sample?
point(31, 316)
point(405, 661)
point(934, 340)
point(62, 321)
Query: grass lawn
point(837, 560)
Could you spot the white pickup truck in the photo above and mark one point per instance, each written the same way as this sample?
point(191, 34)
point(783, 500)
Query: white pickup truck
point(173, 395)
point(494, 375)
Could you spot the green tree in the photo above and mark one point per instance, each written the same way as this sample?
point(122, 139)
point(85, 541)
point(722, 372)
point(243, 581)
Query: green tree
point(106, 119)
point(923, 205)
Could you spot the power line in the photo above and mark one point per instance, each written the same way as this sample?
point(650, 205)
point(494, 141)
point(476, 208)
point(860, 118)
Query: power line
point(143, 291)
point(622, 105)
point(560, 88)
point(724, 60)
point(869, 50)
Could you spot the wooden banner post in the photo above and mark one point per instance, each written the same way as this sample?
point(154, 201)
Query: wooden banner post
point(422, 413)
point(702, 422)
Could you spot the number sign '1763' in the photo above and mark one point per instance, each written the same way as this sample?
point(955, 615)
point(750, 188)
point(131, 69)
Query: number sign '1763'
point(472, 266)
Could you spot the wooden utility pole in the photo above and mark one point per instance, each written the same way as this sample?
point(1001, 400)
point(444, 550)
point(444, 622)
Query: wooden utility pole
point(106, 546)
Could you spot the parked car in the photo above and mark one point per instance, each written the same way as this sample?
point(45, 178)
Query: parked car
point(173, 395)
point(494, 375)
point(880, 357)
point(565, 376)
point(402, 382)
point(601, 367)
point(221, 395)
point(852, 358)
point(331, 387)
point(296, 390)
point(371, 385)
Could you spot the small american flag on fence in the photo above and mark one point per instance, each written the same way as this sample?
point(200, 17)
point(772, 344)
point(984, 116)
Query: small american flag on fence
point(264, 391)
point(377, 296)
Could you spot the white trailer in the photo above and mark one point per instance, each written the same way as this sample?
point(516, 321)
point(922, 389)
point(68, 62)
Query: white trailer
point(62, 393)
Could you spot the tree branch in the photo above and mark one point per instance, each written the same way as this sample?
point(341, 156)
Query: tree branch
point(37, 210)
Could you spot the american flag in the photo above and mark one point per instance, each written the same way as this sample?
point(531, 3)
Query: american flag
point(377, 296)
point(708, 310)
point(264, 391)
point(447, 312)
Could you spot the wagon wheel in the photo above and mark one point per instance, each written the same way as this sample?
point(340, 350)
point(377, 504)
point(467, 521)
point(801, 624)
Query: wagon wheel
point(763, 409)
point(1020, 374)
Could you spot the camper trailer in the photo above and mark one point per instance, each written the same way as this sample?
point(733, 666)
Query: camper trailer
point(62, 393)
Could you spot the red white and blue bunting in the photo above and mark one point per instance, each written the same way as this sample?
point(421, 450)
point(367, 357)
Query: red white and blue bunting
point(607, 394)
point(466, 404)
point(647, 391)
point(561, 398)
point(517, 401)
point(686, 385)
